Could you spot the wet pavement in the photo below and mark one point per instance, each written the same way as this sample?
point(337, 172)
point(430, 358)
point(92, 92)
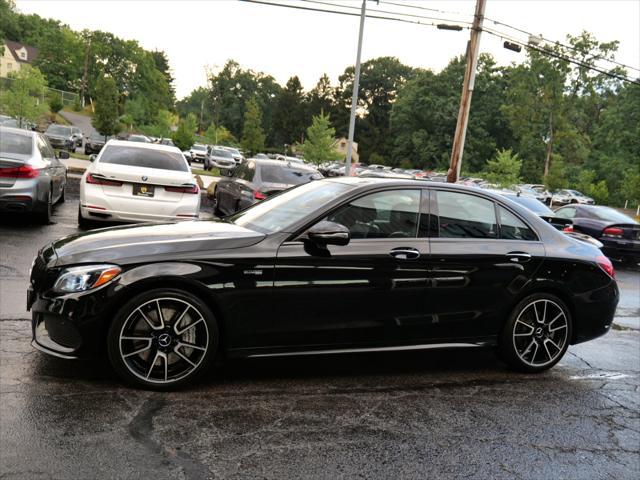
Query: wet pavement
point(429, 414)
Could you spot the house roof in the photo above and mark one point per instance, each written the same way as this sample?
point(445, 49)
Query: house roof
point(32, 52)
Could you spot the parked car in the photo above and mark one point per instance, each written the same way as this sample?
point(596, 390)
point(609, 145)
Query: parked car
point(166, 300)
point(187, 156)
point(544, 195)
point(7, 121)
point(94, 142)
point(255, 180)
point(560, 223)
point(220, 158)
point(139, 138)
point(235, 153)
point(199, 152)
point(166, 141)
point(527, 191)
point(32, 178)
point(566, 196)
point(619, 233)
point(64, 137)
point(137, 182)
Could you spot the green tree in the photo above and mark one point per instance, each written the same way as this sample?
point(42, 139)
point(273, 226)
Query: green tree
point(319, 147)
point(504, 169)
point(184, 137)
point(22, 99)
point(557, 177)
point(55, 103)
point(289, 116)
point(219, 135)
point(253, 135)
point(105, 119)
point(588, 185)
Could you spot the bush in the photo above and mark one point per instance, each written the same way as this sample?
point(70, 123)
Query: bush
point(77, 106)
point(55, 103)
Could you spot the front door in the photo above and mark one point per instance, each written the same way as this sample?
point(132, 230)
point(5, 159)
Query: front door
point(369, 292)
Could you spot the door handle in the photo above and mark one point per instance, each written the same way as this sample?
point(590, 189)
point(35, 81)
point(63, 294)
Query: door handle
point(519, 257)
point(404, 253)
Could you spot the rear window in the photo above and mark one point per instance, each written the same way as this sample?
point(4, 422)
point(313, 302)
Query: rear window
point(15, 143)
point(144, 157)
point(289, 176)
point(610, 215)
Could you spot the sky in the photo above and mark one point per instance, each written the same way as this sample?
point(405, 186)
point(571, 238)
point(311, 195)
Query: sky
point(202, 35)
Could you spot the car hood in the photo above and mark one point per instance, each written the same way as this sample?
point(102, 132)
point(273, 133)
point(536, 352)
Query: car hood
point(139, 243)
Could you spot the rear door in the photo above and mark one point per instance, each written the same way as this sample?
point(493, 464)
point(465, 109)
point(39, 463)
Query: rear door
point(482, 255)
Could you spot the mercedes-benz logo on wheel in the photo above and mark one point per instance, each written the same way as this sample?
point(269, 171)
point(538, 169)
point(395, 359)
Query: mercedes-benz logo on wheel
point(164, 340)
point(145, 178)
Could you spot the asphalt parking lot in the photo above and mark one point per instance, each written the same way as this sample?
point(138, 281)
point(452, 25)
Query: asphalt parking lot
point(429, 414)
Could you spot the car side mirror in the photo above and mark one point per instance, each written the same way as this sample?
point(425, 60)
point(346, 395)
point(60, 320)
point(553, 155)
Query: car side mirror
point(63, 154)
point(329, 233)
point(92, 157)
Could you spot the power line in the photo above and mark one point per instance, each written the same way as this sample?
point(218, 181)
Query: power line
point(560, 44)
point(415, 22)
point(311, 9)
point(388, 12)
point(551, 53)
point(424, 8)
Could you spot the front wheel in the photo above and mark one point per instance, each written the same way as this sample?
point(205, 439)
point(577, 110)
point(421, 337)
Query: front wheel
point(537, 333)
point(162, 339)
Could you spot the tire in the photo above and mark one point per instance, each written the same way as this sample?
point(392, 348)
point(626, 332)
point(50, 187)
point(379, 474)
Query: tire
point(159, 359)
point(62, 198)
point(45, 216)
point(537, 333)
point(216, 205)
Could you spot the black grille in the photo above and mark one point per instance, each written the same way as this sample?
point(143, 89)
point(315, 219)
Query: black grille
point(62, 331)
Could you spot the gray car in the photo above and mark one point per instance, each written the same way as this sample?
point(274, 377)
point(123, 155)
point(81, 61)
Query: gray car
point(64, 137)
point(32, 178)
point(219, 157)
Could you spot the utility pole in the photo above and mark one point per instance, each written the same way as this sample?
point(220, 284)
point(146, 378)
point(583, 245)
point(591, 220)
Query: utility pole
point(354, 97)
point(473, 49)
point(86, 68)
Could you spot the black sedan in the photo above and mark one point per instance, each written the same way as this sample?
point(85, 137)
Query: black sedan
point(94, 143)
point(414, 265)
point(619, 233)
point(255, 180)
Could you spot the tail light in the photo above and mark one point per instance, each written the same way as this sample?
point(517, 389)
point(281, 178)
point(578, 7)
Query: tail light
point(568, 228)
point(612, 232)
point(259, 195)
point(189, 189)
point(24, 171)
point(103, 181)
point(605, 264)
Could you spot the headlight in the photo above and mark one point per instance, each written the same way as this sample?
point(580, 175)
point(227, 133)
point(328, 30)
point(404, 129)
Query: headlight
point(80, 279)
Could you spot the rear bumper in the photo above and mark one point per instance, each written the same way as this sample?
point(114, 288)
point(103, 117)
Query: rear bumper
point(594, 312)
point(25, 195)
point(621, 249)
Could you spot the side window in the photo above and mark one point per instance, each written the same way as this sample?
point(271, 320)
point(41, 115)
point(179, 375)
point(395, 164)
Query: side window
point(512, 228)
point(568, 212)
point(390, 214)
point(465, 216)
point(45, 149)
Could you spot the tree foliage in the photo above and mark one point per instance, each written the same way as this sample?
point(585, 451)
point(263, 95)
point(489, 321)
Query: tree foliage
point(253, 135)
point(23, 99)
point(319, 146)
point(504, 169)
point(184, 137)
point(105, 119)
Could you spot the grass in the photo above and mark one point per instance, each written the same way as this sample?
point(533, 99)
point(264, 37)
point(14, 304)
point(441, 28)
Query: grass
point(79, 156)
point(211, 173)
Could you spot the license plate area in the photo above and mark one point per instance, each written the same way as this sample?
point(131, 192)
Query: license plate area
point(141, 190)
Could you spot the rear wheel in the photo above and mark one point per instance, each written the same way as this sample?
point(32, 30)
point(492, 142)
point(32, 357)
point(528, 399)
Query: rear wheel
point(216, 205)
point(537, 334)
point(45, 216)
point(83, 222)
point(162, 339)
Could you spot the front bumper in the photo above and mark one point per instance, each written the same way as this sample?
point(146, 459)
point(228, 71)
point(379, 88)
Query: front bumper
point(61, 142)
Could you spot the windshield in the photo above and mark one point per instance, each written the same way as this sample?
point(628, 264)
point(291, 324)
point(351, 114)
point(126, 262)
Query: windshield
point(98, 136)
point(610, 215)
point(144, 157)
point(59, 130)
point(15, 143)
point(532, 204)
point(289, 176)
point(278, 213)
point(198, 147)
point(576, 193)
point(221, 153)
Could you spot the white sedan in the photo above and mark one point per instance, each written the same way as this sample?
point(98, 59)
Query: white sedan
point(138, 182)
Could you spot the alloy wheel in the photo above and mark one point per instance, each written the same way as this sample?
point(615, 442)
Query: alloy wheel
point(163, 340)
point(540, 333)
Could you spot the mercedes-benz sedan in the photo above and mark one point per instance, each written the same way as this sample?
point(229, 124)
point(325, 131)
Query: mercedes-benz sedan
point(337, 265)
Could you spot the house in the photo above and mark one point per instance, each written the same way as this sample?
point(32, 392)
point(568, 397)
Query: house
point(15, 55)
point(341, 146)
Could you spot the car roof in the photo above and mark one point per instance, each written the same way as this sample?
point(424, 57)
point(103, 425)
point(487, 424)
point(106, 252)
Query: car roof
point(19, 131)
point(150, 146)
point(281, 163)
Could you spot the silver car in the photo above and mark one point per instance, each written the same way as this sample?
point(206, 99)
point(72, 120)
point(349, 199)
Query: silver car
point(32, 178)
point(219, 157)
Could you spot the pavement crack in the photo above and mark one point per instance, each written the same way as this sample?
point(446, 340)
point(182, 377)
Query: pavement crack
point(580, 358)
point(141, 429)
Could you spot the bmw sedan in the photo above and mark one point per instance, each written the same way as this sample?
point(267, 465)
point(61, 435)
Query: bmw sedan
point(32, 178)
point(415, 264)
point(137, 182)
